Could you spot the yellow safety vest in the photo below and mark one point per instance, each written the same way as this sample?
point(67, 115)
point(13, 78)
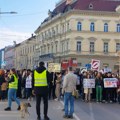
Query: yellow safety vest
point(15, 83)
point(40, 79)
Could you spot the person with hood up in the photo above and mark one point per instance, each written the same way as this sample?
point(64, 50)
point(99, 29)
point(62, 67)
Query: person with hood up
point(40, 89)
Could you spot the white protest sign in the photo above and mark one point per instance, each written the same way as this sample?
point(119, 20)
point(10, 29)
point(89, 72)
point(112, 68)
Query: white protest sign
point(89, 83)
point(110, 82)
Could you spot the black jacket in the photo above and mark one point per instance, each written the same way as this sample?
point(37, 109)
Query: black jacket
point(41, 89)
point(2, 79)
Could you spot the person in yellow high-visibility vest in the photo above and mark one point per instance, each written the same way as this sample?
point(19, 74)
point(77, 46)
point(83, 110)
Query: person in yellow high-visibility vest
point(40, 89)
point(13, 86)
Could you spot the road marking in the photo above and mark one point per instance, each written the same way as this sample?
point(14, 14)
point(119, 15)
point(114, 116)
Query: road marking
point(74, 115)
point(91, 112)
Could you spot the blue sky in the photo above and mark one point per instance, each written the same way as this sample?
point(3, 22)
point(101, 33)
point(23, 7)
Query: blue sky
point(30, 14)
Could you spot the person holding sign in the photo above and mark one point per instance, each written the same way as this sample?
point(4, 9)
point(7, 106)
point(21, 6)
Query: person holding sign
point(58, 86)
point(108, 88)
point(87, 89)
point(99, 87)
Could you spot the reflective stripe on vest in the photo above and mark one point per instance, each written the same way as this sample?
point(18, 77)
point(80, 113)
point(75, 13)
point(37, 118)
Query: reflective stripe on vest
point(15, 83)
point(40, 79)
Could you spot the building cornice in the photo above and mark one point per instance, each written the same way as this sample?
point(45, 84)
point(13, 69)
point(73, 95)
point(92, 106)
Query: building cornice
point(117, 40)
point(75, 12)
point(106, 40)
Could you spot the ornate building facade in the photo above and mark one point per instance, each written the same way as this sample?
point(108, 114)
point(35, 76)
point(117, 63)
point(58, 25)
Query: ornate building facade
point(24, 54)
point(83, 30)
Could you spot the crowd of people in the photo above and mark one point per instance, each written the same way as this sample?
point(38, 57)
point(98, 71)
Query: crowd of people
point(59, 86)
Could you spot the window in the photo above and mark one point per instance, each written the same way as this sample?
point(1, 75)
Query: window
point(92, 27)
point(44, 49)
point(117, 47)
point(118, 27)
point(62, 47)
point(92, 44)
point(68, 26)
point(79, 46)
point(53, 32)
point(48, 49)
point(63, 28)
point(41, 50)
point(56, 47)
point(105, 27)
point(67, 47)
point(52, 49)
point(79, 26)
point(105, 47)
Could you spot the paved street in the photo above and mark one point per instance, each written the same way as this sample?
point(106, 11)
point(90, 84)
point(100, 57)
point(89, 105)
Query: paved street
point(83, 111)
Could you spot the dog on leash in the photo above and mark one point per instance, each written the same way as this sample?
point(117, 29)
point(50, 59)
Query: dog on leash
point(24, 109)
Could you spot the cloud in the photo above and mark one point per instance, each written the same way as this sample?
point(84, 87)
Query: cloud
point(7, 36)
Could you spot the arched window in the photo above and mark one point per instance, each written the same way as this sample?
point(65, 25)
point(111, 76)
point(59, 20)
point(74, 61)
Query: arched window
point(118, 27)
point(92, 27)
point(105, 27)
point(79, 26)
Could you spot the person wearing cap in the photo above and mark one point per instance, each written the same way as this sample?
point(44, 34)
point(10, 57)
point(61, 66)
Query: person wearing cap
point(40, 89)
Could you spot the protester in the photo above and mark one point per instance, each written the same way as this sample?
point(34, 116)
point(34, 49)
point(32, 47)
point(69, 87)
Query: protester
point(51, 86)
point(58, 86)
point(87, 91)
point(2, 79)
point(118, 90)
point(28, 85)
point(4, 90)
point(19, 94)
point(24, 75)
point(69, 85)
point(40, 84)
point(99, 87)
point(13, 86)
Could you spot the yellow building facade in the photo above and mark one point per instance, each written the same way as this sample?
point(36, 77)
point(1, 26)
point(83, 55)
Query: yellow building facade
point(81, 34)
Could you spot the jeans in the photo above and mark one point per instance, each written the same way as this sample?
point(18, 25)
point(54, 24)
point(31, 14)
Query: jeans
point(28, 92)
point(68, 98)
point(12, 96)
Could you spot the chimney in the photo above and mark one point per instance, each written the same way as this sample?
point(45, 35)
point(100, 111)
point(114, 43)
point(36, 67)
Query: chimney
point(32, 35)
point(68, 2)
point(14, 42)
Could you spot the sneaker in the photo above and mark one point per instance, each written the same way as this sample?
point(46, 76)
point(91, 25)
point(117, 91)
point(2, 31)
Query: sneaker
point(70, 116)
point(7, 109)
point(56, 99)
point(65, 116)
point(111, 101)
point(46, 118)
point(18, 108)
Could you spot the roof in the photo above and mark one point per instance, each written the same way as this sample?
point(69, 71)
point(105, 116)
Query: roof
point(98, 5)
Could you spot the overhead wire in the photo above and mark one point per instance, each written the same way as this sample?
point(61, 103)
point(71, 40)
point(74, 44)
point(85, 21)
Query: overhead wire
point(27, 14)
